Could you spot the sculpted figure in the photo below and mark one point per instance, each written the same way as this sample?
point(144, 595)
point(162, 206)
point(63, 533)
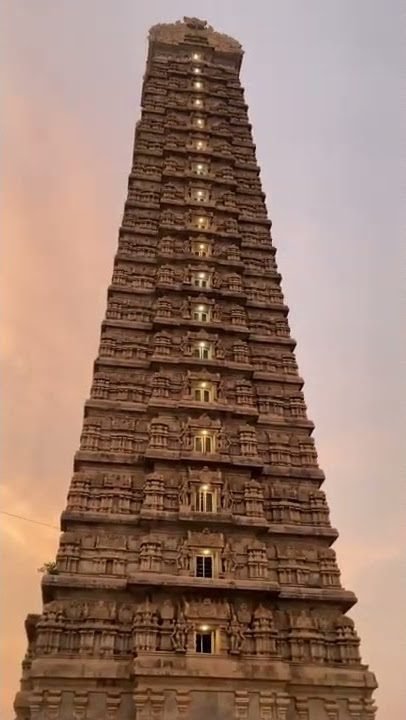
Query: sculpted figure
point(183, 555)
point(235, 633)
point(184, 493)
point(180, 632)
point(228, 561)
point(226, 497)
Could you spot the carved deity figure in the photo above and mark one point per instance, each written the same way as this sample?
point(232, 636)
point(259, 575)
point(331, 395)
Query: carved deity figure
point(235, 633)
point(184, 493)
point(183, 555)
point(226, 497)
point(181, 629)
point(228, 561)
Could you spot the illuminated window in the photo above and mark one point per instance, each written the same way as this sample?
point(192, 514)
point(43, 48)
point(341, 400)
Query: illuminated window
point(198, 85)
point(200, 168)
point(201, 249)
point(204, 565)
point(201, 279)
point(204, 642)
point(196, 56)
point(205, 498)
point(201, 222)
point(196, 71)
point(199, 122)
point(203, 392)
point(203, 350)
point(201, 313)
point(200, 195)
point(201, 145)
point(204, 443)
point(198, 102)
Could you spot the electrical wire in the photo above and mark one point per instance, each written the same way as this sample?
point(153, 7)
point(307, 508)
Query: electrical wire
point(36, 522)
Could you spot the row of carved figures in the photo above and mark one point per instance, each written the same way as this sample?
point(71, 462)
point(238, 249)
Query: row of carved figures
point(203, 195)
point(201, 436)
point(184, 277)
point(203, 310)
point(263, 357)
point(114, 493)
point(303, 637)
point(259, 260)
point(150, 704)
point(177, 386)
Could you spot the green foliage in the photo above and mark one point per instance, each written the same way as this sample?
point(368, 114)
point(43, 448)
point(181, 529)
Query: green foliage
point(49, 568)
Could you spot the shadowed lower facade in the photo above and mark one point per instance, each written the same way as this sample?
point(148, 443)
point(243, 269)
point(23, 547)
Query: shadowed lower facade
point(195, 576)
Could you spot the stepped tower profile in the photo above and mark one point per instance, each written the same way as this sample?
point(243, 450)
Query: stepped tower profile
point(195, 576)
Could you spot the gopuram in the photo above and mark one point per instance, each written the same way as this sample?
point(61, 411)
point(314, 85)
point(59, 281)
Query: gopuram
point(195, 577)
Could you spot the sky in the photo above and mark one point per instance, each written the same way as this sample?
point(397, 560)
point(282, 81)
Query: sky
point(323, 84)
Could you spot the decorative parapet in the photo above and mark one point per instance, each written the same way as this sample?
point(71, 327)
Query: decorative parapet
point(182, 30)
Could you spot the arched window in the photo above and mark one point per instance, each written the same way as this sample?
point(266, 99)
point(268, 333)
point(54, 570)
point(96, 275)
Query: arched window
point(203, 350)
point(204, 442)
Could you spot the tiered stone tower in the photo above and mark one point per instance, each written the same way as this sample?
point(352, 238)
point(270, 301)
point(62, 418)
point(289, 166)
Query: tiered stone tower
point(195, 577)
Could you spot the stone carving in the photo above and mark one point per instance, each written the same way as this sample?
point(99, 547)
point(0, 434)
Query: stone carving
point(235, 633)
point(181, 629)
point(145, 628)
point(263, 631)
point(183, 556)
point(226, 497)
point(145, 483)
point(184, 494)
point(228, 561)
point(195, 23)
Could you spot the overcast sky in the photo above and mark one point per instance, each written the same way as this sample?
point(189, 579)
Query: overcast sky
point(323, 82)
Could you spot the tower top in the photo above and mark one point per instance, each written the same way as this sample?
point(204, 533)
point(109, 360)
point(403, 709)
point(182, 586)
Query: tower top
point(193, 30)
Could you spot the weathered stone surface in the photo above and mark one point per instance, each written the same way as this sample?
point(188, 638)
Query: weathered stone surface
point(194, 576)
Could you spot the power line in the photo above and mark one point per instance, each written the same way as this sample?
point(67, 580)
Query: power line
point(36, 522)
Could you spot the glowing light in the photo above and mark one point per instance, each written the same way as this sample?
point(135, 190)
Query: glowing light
point(204, 628)
point(198, 85)
point(202, 344)
point(202, 247)
point(197, 71)
point(206, 552)
point(204, 432)
point(203, 384)
point(196, 56)
point(202, 275)
point(204, 488)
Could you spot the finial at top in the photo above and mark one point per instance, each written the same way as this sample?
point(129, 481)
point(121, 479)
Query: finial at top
point(174, 33)
point(195, 23)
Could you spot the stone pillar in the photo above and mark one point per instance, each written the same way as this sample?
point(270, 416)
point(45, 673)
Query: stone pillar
point(80, 702)
point(112, 705)
point(35, 704)
point(355, 708)
point(331, 709)
point(53, 704)
point(182, 702)
point(370, 709)
point(266, 705)
point(141, 702)
point(157, 700)
point(241, 701)
point(302, 709)
point(282, 705)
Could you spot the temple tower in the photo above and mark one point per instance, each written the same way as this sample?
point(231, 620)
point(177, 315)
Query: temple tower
point(195, 576)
